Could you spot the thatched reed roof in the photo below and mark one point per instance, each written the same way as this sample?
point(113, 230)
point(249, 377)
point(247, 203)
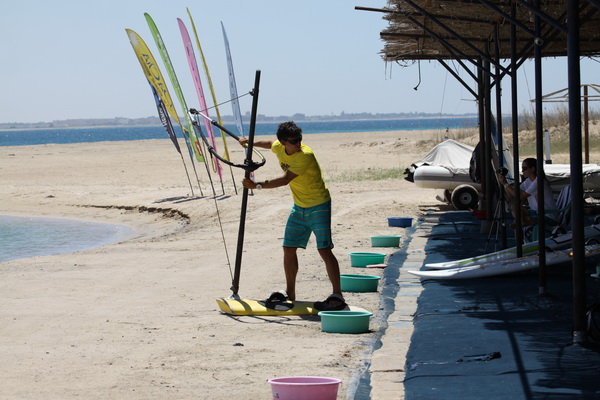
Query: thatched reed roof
point(418, 28)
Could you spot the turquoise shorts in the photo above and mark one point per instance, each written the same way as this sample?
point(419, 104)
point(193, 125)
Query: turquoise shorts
point(303, 221)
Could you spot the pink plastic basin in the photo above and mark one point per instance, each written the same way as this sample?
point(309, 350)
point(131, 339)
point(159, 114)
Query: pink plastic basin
point(304, 388)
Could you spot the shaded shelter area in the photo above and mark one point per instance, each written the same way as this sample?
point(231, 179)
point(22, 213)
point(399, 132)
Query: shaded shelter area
point(489, 40)
point(493, 338)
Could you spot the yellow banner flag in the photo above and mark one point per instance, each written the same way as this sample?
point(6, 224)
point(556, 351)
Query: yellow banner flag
point(152, 72)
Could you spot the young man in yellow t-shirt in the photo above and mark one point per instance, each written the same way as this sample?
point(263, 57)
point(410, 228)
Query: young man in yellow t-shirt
point(311, 212)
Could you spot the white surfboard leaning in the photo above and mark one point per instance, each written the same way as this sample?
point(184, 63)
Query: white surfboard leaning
point(507, 254)
point(529, 249)
point(503, 267)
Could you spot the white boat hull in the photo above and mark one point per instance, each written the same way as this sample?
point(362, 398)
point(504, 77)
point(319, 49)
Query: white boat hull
point(436, 177)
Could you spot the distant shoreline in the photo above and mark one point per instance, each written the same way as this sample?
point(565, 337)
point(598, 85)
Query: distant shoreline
point(76, 127)
point(153, 122)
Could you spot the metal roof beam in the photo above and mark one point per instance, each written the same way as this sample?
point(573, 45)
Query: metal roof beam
point(595, 3)
point(449, 31)
point(462, 64)
point(451, 49)
point(420, 36)
point(500, 12)
point(550, 33)
point(458, 78)
point(543, 16)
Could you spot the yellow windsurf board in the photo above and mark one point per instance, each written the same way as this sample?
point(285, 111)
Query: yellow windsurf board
point(260, 307)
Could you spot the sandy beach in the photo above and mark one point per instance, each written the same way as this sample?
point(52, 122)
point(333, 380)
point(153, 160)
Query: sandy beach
point(138, 319)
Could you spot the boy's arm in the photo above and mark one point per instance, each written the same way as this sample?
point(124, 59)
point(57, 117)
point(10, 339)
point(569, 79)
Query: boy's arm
point(271, 183)
point(264, 144)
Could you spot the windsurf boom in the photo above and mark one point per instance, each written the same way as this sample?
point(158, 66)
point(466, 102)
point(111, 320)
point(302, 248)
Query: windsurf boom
point(248, 165)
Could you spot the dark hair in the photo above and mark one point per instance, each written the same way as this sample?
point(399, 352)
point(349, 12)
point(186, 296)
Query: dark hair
point(531, 163)
point(287, 130)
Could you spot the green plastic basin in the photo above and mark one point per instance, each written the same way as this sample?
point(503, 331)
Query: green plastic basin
point(359, 283)
point(345, 321)
point(385, 241)
point(364, 259)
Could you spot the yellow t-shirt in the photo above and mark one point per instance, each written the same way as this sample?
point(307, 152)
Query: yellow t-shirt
point(308, 188)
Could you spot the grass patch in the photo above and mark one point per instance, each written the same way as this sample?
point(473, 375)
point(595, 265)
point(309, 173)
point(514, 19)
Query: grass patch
point(368, 174)
point(557, 146)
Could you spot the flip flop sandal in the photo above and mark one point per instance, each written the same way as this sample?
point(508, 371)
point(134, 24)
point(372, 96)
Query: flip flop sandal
point(277, 301)
point(327, 306)
point(277, 297)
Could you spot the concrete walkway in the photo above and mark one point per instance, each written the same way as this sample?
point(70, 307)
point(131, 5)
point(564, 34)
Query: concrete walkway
point(489, 338)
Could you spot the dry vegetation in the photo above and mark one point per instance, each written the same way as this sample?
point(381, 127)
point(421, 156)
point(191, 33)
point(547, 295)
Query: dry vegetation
point(557, 124)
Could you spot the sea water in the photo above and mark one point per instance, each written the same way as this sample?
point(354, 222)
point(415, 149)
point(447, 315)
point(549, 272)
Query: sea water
point(87, 135)
point(22, 237)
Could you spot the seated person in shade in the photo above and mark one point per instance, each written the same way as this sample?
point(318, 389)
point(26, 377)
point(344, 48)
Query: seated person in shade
point(529, 194)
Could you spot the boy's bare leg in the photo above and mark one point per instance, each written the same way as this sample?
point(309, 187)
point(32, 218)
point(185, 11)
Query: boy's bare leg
point(333, 269)
point(290, 266)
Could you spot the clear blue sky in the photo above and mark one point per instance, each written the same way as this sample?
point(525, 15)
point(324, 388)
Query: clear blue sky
point(72, 59)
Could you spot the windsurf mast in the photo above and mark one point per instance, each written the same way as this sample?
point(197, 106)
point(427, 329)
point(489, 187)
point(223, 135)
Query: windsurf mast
point(240, 244)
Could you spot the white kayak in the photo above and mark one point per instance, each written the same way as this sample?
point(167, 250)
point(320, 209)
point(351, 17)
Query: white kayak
point(503, 267)
point(529, 249)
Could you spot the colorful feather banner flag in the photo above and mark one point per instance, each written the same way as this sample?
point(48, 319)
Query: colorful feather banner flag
point(189, 132)
point(187, 42)
point(233, 92)
point(159, 89)
point(165, 120)
point(213, 95)
point(152, 72)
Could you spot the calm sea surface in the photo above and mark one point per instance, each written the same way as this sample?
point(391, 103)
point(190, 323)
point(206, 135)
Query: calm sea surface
point(29, 237)
point(83, 135)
